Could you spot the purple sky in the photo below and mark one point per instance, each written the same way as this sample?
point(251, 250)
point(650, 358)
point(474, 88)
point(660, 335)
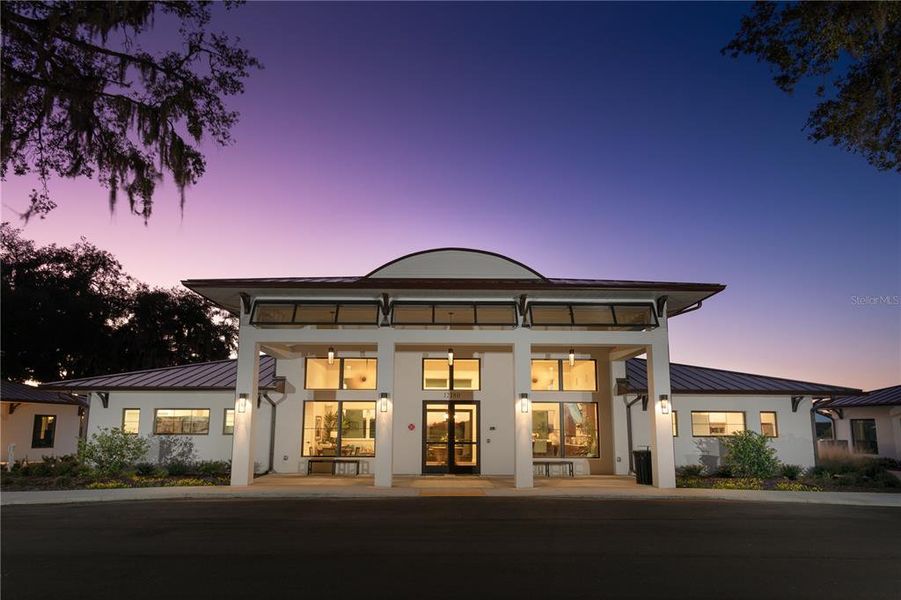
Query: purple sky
point(608, 141)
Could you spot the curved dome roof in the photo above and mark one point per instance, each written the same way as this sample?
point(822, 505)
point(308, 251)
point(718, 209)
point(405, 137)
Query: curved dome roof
point(455, 263)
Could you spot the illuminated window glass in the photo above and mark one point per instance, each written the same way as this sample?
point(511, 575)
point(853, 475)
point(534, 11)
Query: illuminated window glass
point(704, 424)
point(339, 429)
point(435, 374)
point(675, 423)
point(451, 314)
point(181, 421)
point(320, 375)
point(546, 430)
point(546, 375)
point(358, 314)
point(634, 315)
point(273, 313)
point(44, 431)
point(551, 315)
point(580, 377)
point(768, 426)
point(228, 422)
point(565, 430)
point(496, 314)
point(592, 315)
point(412, 314)
point(131, 420)
point(464, 374)
point(315, 313)
point(359, 373)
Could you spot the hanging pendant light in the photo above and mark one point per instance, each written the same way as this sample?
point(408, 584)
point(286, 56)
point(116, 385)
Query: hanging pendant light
point(572, 357)
point(331, 356)
point(450, 357)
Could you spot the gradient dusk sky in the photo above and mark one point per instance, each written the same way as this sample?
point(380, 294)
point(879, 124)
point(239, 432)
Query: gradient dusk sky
point(586, 140)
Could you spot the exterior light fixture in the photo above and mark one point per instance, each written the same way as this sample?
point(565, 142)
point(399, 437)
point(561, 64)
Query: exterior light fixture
point(664, 404)
point(572, 357)
point(383, 402)
point(243, 401)
point(450, 357)
point(524, 403)
point(331, 356)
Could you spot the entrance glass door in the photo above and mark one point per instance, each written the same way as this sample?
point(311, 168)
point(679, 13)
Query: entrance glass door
point(450, 437)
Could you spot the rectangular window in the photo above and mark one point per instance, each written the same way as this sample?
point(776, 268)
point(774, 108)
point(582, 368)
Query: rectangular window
point(593, 316)
point(565, 430)
point(463, 314)
point(706, 424)
point(675, 423)
point(352, 373)
point(768, 426)
point(464, 374)
point(273, 313)
point(863, 436)
point(315, 313)
point(181, 421)
point(558, 375)
point(131, 420)
point(228, 422)
point(44, 431)
point(339, 429)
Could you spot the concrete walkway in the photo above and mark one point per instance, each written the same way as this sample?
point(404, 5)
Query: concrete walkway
point(293, 486)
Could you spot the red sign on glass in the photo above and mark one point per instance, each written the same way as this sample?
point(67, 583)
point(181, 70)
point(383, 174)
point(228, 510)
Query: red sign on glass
point(411, 426)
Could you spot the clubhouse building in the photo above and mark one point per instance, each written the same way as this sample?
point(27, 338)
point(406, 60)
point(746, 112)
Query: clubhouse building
point(455, 361)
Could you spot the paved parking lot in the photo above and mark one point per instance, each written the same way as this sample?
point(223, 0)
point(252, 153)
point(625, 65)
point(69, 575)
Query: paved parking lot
point(449, 548)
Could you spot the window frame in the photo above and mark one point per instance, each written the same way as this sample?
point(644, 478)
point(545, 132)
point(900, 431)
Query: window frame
point(675, 423)
point(560, 387)
point(156, 410)
point(125, 410)
point(560, 428)
point(775, 423)
point(718, 435)
point(475, 313)
point(875, 437)
point(611, 305)
point(35, 428)
point(339, 426)
point(225, 420)
point(340, 360)
point(335, 321)
point(450, 375)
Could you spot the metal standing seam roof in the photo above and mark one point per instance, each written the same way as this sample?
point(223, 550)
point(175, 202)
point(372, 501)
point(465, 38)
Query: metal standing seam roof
point(11, 391)
point(890, 396)
point(207, 376)
point(689, 379)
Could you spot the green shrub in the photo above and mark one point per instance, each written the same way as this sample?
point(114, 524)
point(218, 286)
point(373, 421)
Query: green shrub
point(692, 482)
point(749, 454)
point(40, 469)
point(62, 465)
point(690, 471)
point(739, 483)
point(791, 472)
point(212, 467)
point(145, 469)
point(111, 451)
point(724, 471)
point(190, 481)
point(178, 468)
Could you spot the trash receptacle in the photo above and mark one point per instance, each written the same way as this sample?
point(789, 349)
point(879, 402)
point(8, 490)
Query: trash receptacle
point(643, 473)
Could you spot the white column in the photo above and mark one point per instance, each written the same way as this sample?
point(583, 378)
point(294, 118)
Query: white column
point(522, 421)
point(384, 422)
point(620, 431)
point(248, 383)
point(661, 425)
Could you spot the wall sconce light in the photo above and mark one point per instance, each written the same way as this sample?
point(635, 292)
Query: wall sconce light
point(383, 402)
point(524, 403)
point(664, 404)
point(243, 400)
point(450, 357)
point(572, 357)
point(331, 356)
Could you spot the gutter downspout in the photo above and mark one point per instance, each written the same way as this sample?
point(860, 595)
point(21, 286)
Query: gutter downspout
point(629, 429)
point(274, 404)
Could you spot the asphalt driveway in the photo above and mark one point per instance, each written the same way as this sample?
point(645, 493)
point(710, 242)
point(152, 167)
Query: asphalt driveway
point(449, 548)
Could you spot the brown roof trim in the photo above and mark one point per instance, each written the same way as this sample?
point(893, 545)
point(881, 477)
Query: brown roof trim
point(456, 249)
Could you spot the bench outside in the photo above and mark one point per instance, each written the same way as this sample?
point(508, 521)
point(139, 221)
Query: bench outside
point(334, 462)
point(546, 465)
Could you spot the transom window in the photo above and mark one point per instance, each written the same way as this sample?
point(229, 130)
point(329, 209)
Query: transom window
point(559, 375)
point(593, 316)
point(503, 314)
point(675, 423)
point(181, 421)
point(564, 429)
point(44, 431)
point(351, 373)
point(316, 313)
point(713, 424)
point(228, 422)
point(439, 374)
point(339, 429)
point(768, 424)
point(131, 420)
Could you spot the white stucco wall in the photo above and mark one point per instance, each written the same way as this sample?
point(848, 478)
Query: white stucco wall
point(888, 428)
point(213, 446)
point(17, 428)
point(794, 444)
